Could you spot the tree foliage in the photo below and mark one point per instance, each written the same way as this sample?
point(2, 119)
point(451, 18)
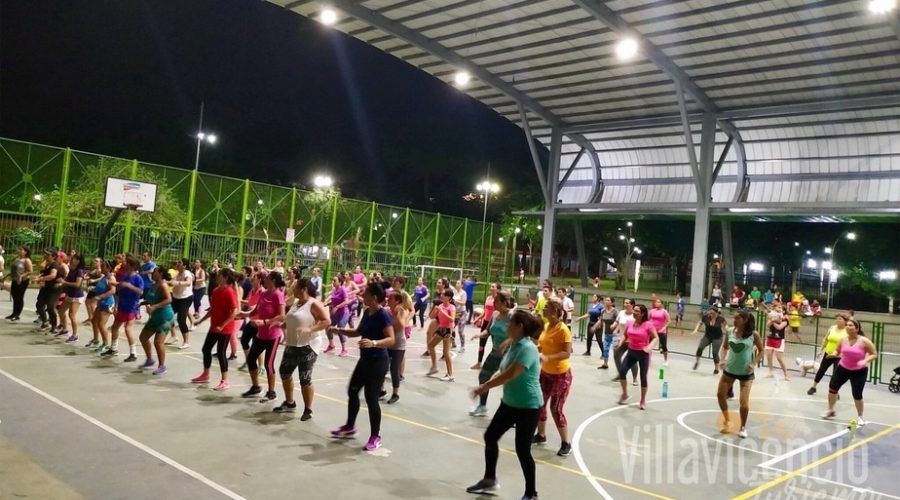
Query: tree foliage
point(85, 197)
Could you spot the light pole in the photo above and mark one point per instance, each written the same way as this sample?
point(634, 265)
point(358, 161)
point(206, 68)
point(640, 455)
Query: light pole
point(486, 188)
point(850, 235)
point(202, 137)
point(630, 248)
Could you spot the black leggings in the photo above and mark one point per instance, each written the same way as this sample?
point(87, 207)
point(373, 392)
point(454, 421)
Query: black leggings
point(182, 309)
point(396, 364)
point(482, 342)
point(198, 299)
point(857, 380)
point(590, 338)
point(420, 310)
point(270, 347)
point(220, 341)
point(619, 354)
point(470, 310)
point(826, 363)
point(17, 290)
point(368, 376)
point(633, 358)
point(46, 305)
point(525, 421)
point(663, 342)
point(247, 334)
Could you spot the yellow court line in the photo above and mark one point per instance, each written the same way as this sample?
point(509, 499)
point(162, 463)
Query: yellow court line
point(510, 452)
point(813, 465)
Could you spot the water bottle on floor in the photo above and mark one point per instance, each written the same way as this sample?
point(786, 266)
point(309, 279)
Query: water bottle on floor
point(853, 425)
point(662, 373)
point(665, 390)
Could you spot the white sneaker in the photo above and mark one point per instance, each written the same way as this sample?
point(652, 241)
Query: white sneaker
point(183, 347)
point(447, 378)
point(742, 433)
point(666, 363)
point(479, 411)
point(860, 422)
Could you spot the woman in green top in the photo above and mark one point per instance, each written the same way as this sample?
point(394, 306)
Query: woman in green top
point(497, 332)
point(520, 406)
point(739, 356)
point(162, 318)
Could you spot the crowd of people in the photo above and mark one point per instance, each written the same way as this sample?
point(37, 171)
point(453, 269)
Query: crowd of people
point(259, 311)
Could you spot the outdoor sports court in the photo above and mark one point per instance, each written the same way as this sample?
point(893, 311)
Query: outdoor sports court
point(75, 426)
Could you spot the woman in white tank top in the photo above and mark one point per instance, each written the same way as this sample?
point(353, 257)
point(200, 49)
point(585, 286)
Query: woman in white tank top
point(304, 324)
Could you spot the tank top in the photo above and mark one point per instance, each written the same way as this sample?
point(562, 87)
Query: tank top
point(835, 335)
point(740, 354)
point(399, 336)
point(17, 269)
point(153, 297)
point(498, 331)
point(297, 317)
point(851, 355)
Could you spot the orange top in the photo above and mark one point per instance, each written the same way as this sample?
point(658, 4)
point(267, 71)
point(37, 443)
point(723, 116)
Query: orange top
point(554, 340)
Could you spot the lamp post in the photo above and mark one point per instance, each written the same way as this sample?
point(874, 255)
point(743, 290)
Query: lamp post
point(202, 137)
point(630, 248)
point(486, 188)
point(850, 235)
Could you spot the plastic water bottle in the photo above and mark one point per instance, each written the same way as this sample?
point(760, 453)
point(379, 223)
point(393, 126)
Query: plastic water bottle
point(665, 391)
point(853, 425)
point(662, 373)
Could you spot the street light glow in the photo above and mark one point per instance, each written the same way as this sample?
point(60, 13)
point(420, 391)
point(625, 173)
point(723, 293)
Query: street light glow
point(488, 186)
point(259, 202)
point(394, 215)
point(812, 264)
point(828, 250)
point(626, 48)
point(631, 240)
point(211, 138)
point(462, 78)
point(796, 243)
point(540, 227)
point(605, 249)
point(715, 256)
point(517, 230)
point(629, 224)
point(826, 265)
point(851, 236)
point(500, 239)
point(328, 16)
point(323, 181)
point(622, 237)
point(887, 275)
point(882, 6)
point(757, 267)
point(808, 252)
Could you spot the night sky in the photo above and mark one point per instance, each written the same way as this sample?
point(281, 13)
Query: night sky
point(286, 96)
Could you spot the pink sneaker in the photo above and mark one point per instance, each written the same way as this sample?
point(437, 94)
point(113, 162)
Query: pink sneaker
point(200, 379)
point(329, 348)
point(223, 386)
point(344, 431)
point(373, 444)
point(344, 353)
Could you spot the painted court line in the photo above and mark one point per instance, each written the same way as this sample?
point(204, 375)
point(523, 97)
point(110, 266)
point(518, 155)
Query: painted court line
point(836, 483)
point(137, 444)
point(775, 482)
point(803, 448)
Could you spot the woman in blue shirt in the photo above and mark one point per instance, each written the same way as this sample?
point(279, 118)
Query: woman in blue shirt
point(593, 317)
point(377, 332)
point(104, 295)
point(520, 406)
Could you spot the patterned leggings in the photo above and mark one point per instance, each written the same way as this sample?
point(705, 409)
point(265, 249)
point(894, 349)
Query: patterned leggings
point(555, 389)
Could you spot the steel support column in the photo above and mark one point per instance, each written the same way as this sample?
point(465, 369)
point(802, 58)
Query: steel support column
point(727, 257)
point(582, 258)
point(701, 223)
point(550, 207)
point(538, 167)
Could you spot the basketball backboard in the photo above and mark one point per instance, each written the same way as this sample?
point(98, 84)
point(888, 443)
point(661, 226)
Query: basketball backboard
point(126, 193)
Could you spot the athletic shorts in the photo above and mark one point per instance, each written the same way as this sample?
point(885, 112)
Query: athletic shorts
point(775, 344)
point(104, 307)
point(443, 332)
point(74, 300)
point(160, 326)
point(742, 378)
point(301, 359)
point(124, 317)
point(91, 294)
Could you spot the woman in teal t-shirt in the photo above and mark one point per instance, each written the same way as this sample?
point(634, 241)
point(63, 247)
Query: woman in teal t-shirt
point(520, 406)
point(162, 317)
point(497, 332)
point(740, 353)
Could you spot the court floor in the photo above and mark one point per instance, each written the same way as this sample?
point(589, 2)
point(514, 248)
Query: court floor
point(75, 426)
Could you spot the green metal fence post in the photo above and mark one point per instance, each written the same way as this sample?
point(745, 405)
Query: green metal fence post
point(63, 190)
point(189, 222)
point(371, 230)
point(403, 250)
point(462, 254)
point(290, 244)
point(240, 252)
point(129, 217)
point(437, 236)
point(328, 265)
point(490, 253)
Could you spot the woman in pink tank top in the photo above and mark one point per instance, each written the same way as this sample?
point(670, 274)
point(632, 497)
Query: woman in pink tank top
point(855, 352)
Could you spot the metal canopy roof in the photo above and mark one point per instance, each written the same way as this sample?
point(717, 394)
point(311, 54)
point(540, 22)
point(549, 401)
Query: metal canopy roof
point(806, 93)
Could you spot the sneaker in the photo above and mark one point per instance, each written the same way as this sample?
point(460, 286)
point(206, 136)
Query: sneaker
point(344, 431)
point(344, 353)
point(811, 391)
point(479, 411)
point(447, 378)
point(200, 379)
point(223, 386)
point(373, 444)
point(715, 371)
point(634, 382)
point(829, 414)
point(91, 344)
point(329, 348)
point(586, 353)
point(130, 358)
point(307, 414)
point(183, 347)
point(538, 439)
point(666, 363)
point(431, 372)
point(484, 487)
point(232, 357)
point(860, 422)
point(285, 407)
point(742, 433)
point(149, 363)
point(603, 367)
point(564, 450)
point(462, 350)
point(161, 370)
point(624, 398)
point(101, 348)
point(72, 339)
point(476, 366)
point(393, 399)
point(37, 322)
point(60, 333)
point(270, 396)
point(252, 392)
point(108, 353)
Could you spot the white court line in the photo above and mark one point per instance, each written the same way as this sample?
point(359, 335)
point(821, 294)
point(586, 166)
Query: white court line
point(137, 444)
point(803, 448)
point(836, 483)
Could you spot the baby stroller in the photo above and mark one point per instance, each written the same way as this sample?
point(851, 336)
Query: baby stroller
point(895, 381)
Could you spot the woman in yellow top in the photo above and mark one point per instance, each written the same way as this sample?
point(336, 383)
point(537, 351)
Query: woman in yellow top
point(794, 321)
point(836, 333)
point(555, 345)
